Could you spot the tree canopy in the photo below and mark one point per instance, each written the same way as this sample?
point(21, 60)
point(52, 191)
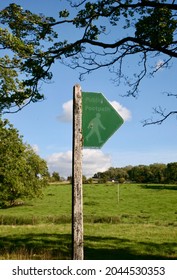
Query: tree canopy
point(108, 33)
point(22, 172)
point(157, 173)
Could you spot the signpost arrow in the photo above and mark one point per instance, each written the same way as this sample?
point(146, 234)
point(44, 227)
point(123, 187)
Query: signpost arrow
point(99, 120)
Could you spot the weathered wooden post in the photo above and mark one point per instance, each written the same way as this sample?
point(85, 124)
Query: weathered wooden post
point(77, 197)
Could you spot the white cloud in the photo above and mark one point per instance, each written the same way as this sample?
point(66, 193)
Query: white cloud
point(93, 161)
point(123, 111)
point(60, 162)
point(67, 114)
point(159, 64)
point(35, 148)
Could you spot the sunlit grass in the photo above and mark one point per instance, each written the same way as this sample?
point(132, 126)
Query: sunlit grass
point(120, 222)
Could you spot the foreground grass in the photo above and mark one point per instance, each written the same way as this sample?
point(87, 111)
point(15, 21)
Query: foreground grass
point(138, 222)
point(101, 241)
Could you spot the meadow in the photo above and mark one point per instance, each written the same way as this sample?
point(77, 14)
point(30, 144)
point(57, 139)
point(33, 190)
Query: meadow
point(129, 221)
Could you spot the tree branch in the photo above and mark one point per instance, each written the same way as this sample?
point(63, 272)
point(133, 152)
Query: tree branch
point(162, 114)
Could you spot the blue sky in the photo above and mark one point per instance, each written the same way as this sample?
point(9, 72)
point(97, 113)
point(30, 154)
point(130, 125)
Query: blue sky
point(47, 125)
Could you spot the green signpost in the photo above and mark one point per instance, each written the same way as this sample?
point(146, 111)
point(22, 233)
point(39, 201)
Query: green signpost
point(94, 122)
point(99, 120)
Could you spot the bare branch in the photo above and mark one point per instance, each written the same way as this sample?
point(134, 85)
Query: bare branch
point(151, 31)
point(75, 5)
point(170, 94)
point(162, 116)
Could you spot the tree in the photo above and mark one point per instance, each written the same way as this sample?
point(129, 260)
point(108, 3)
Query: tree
point(55, 176)
point(24, 65)
point(22, 172)
point(84, 179)
point(139, 174)
point(171, 172)
point(109, 33)
point(158, 171)
point(117, 174)
point(69, 178)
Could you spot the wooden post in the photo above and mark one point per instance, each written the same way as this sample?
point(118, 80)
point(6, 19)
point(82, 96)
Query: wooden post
point(118, 193)
point(77, 199)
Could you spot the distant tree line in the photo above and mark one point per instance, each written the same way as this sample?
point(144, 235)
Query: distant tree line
point(157, 173)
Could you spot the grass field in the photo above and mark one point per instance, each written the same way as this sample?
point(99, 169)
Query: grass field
point(129, 222)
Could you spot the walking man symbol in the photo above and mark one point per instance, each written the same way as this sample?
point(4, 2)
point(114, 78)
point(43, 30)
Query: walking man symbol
point(94, 126)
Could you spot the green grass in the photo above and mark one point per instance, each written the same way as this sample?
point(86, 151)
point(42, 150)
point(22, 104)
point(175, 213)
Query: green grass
point(139, 224)
point(55, 202)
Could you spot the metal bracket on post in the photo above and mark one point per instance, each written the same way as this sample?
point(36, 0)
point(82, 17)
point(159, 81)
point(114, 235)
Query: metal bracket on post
point(77, 196)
